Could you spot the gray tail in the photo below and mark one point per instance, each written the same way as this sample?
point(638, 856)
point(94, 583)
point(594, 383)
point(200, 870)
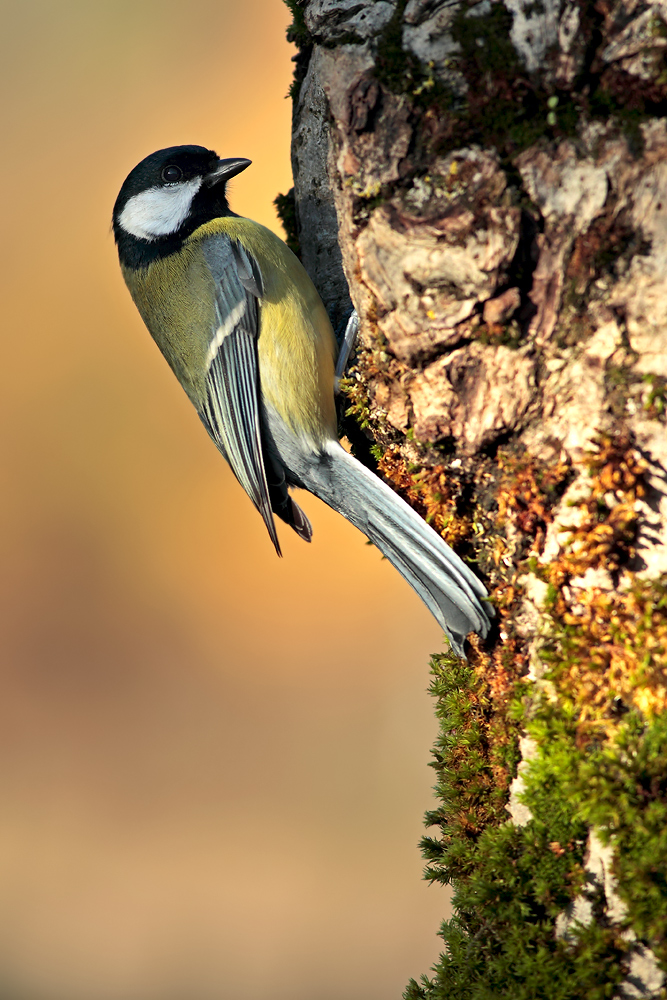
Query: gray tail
point(448, 588)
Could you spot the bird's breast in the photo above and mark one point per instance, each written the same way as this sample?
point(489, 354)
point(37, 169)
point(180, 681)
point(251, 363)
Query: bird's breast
point(175, 296)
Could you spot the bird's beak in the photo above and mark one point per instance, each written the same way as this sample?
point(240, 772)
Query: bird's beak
point(226, 169)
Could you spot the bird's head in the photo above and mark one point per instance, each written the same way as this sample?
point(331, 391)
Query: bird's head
point(167, 196)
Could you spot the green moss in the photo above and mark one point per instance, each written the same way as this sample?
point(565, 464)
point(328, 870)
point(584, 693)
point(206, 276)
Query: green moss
point(601, 759)
point(655, 399)
point(475, 756)
point(355, 392)
point(286, 209)
point(298, 34)
point(531, 968)
point(510, 883)
point(607, 652)
point(619, 787)
point(603, 738)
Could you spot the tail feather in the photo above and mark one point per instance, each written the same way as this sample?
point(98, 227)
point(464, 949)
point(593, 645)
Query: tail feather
point(300, 522)
point(447, 586)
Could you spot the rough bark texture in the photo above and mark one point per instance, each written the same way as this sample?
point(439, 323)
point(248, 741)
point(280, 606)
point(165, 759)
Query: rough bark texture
point(495, 176)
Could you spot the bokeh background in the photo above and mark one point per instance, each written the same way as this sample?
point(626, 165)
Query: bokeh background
point(213, 763)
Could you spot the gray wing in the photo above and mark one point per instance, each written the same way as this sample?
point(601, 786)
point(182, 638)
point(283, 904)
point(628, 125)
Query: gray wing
point(231, 412)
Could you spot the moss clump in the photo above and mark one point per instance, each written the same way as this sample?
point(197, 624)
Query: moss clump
point(528, 493)
point(470, 507)
point(607, 652)
point(510, 883)
point(601, 733)
point(511, 111)
point(603, 736)
point(607, 647)
point(611, 769)
point(621, 789)
point(475, 757)
point(286, 209)
point(438, 494)
point(655, 398)
point(355, 416)
point(298, 34)
point(607, 518)
point(599, 721)
point(501, 108)
point(354, 390)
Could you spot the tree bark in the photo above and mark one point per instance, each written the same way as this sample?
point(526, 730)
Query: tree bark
point(489, 181)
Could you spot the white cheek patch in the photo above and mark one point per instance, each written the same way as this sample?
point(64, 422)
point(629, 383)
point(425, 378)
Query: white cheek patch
point(159, 211)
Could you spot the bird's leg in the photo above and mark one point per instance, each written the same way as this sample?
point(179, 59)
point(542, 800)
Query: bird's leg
point(349, 339)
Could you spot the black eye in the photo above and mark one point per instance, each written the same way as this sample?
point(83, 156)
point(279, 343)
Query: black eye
point(171, 174)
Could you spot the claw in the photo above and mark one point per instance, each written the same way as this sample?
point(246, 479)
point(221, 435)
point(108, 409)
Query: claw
point(349, 340)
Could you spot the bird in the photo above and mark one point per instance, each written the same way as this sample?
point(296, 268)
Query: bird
point(244, 330)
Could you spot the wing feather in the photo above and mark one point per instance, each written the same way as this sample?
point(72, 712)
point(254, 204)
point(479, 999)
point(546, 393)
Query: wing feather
point(231, 411)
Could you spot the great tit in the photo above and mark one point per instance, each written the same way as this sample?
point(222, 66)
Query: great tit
point(245, 332)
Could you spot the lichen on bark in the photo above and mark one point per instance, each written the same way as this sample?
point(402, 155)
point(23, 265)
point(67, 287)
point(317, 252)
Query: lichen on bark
point(491, 180)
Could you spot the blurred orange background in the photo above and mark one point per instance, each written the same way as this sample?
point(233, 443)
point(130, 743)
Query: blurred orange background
point(214, 762)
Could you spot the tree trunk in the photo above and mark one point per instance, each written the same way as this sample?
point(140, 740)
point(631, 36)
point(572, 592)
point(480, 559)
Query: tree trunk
point(492, 180)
